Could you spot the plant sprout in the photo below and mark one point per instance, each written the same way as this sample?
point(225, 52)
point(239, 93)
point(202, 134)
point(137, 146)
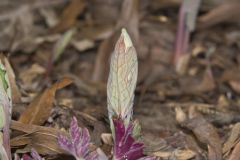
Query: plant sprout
point(120, 95)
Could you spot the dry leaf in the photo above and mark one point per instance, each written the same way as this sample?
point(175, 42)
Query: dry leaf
point(40, 109)
point(43, 139)
point(207, 84)
point(28, 75)
point(233, 138)
point(218, 15)
point(235, 152)
point(235, 85)
point(177, 154)
point(207, 134)
point(82, 45)
point(69, 16)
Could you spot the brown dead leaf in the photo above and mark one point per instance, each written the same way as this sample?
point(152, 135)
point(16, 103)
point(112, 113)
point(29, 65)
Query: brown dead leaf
point(82, 45)
point(218, 14)
point(43, 139)
point(96, 32)
point(235, 85)
point(235, 152)
point(69, 16)
point(205, 133)
point(207, 84)
point(230, 75)
point(39, 110)
point(27, 76)
point(184, 154)
point(16, 95)
point(233, 139)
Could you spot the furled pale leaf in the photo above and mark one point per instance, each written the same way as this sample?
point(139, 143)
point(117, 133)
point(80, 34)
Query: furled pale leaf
point(39, 110)
point(122, 79)
point(78, 142)
point(5, 112)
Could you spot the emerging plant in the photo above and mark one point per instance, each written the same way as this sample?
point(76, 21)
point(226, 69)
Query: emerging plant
point(122, 80)
point(186, 25)
point(78, 142)
point(5, 114)
point(120, 94)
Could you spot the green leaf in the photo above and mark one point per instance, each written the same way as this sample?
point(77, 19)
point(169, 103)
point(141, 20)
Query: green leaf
point(136, 130)
point(62, 43)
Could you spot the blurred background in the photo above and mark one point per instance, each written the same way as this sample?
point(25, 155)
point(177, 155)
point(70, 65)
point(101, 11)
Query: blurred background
point(189, 63)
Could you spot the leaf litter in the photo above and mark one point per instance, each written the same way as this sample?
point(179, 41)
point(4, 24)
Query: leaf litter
point(188, 114)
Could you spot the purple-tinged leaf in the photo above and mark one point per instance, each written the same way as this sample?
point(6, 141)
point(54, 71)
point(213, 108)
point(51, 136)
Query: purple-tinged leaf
point(34, 154)
point(26, 157)
point(78, 142)
point(125, 146)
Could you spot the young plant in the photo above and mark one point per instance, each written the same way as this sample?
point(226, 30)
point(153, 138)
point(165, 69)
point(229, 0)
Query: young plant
point(122, 80)
point(120, 95)
point(5, 114)
point(186, 25)
point(78, 142)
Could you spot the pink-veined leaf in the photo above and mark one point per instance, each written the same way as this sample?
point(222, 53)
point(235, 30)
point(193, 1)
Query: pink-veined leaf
point(122, 79)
